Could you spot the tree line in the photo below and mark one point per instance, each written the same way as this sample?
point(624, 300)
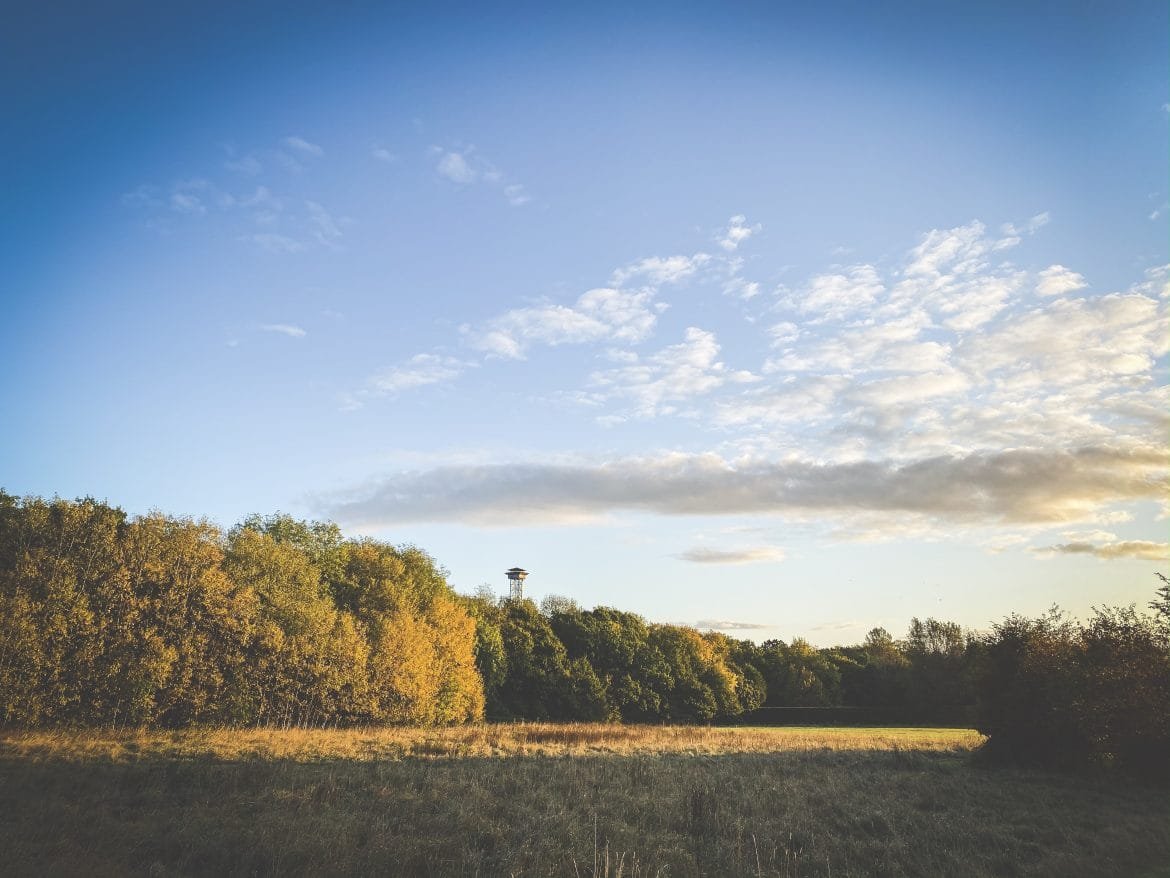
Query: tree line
point(109, 619)
point(112, 619)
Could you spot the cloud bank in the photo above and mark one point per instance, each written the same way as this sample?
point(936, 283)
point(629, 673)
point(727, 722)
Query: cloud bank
point(1011, 486)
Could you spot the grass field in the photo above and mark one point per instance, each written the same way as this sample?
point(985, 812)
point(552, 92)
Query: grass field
point(576, 800)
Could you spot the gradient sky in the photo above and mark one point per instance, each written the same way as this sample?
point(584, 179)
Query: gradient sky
point(792, 320)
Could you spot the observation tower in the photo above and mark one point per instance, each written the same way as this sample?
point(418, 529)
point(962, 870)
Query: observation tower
point(516, 583)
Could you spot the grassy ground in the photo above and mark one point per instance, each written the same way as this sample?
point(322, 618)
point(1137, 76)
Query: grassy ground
point(576, 800)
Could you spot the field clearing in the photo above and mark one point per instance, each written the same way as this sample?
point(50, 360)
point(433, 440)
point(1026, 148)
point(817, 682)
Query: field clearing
point(544, 799)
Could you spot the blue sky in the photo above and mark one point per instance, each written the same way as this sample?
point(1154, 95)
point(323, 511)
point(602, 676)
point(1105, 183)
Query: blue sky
point(793, 320)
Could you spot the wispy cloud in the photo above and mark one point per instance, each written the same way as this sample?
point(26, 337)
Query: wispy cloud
point(705, 555)
point(304, 147)
point(246, 164)
point(741, 288)
point(419, 371)
point(275, 243)
point(186, 200)
point(466, 166)
point(658, 270)
point(1013, 233)
point(626, 311)
point(288, 329)
point(284, 156)
point(843, 625)
point(456, 168)
point(1143, 550)
point(259, 216)
point(728, 625)
point(516, 195)
point(324, 227)
point(597, 315)
point(255, 214)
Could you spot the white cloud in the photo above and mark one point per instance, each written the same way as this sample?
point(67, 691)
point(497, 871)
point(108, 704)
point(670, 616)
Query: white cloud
point(658, 270)
point(1037, 222)
point(597, 315)
point(466, 167)
point(704, 555)
point(1071, 342)
point(837, 295)
point(794, 404)
point(1156, 283)
point(1012, 232)
point(783, 332)
point(942, 394)
point(508, 335)
point(741, 289)
point(455, 167)
point(629, 316)
point(304, 147)
point(1056, 280)
point(498, 343)
point(973, 303)
point(516, 195)
point(886, 346)
point(284, 329)
point(903, 372)
point(674, 374)
point(383, 155)
point(419, 371)
point(950, 274)
point(942, 253)
point(886, 393)
point(736, 233)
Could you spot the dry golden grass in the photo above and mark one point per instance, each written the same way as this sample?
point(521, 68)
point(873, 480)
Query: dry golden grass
point(545, 800)
point(498, 740)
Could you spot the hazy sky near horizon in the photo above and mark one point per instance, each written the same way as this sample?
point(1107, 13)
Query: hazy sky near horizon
point(791, 320)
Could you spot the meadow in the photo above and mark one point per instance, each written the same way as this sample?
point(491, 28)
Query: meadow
point(559, 799)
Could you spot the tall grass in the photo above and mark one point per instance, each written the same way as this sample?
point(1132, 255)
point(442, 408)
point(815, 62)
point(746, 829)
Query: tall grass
point(488, 740)
point(544, 800)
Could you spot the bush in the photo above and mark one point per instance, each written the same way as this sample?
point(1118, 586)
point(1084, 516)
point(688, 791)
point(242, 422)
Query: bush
point(1052, 692)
